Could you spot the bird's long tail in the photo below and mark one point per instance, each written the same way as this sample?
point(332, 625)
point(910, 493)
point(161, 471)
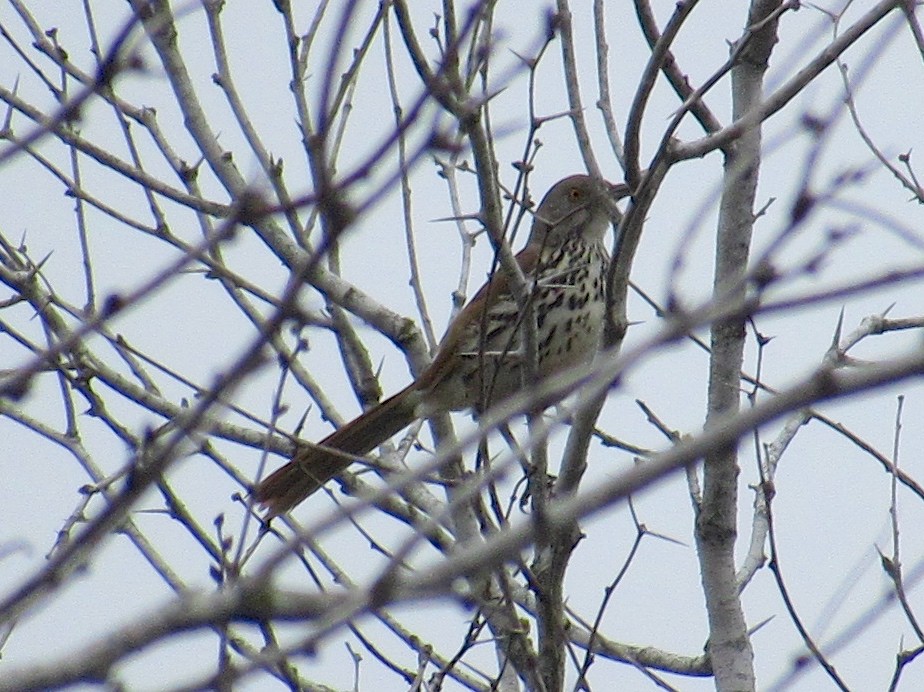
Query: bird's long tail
point(314, 465)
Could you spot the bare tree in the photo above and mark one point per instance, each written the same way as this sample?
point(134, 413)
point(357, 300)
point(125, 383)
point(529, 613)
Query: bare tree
point(270, 213)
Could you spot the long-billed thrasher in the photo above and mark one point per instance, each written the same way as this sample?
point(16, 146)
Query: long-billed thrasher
point(481, 358)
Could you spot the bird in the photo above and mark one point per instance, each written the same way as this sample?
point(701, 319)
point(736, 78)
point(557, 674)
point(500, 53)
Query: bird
point(480, 361)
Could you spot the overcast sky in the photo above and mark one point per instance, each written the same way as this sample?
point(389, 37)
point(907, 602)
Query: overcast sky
point(832, 504)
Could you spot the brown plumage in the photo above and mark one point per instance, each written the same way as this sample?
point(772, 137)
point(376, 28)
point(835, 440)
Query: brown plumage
point(479, 360)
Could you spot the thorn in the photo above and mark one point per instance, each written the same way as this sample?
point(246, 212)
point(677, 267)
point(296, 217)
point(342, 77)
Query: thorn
point(459, 217)
point(835, 342)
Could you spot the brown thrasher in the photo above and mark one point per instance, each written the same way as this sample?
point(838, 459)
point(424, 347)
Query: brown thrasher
point(480, 359)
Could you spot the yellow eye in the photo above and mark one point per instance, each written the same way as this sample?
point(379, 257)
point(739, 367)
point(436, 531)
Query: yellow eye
point(574, 193)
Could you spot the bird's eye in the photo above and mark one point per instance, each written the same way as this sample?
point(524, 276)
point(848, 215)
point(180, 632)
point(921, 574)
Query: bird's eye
point(574, 193)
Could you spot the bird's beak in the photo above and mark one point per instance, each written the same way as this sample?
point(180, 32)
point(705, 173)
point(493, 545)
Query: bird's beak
point(621, 190)
point(618, 190)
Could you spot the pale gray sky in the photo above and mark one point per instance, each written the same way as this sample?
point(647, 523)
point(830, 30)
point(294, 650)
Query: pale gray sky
point(832, 502)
